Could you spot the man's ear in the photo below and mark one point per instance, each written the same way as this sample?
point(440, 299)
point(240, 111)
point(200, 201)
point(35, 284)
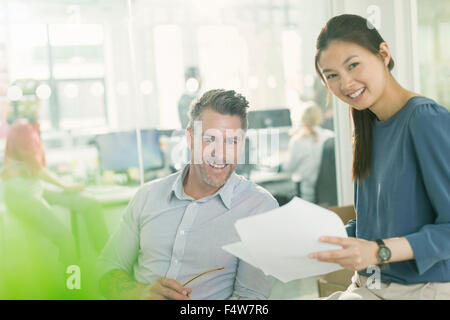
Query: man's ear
point(385, 53)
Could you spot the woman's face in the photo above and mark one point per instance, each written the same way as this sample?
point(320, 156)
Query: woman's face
point(354, 74)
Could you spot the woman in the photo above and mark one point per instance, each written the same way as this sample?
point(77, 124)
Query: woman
point(305, 151)
point(24, 170)
point(401, 150)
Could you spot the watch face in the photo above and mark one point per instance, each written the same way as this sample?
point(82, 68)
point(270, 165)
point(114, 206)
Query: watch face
point(384, 254)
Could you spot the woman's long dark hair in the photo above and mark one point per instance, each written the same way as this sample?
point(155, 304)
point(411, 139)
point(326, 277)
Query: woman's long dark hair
point(354, 29)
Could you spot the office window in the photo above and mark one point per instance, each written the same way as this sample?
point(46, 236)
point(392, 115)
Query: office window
point(169, 72)
point(81, 103)
point(28, 59)
point(77, 63)
point(83, 52)
point(79, 55)
point(28, 51)
point(69, 59)
point(223, 57)
point(292, 45)
point(434, 49)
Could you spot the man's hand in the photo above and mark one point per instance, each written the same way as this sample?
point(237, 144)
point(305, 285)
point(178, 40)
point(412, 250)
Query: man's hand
point(118, 285)
point(164, 289)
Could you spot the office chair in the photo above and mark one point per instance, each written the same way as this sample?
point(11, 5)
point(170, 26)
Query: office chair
point(298, 189)
point(244, 167)
point(325, 189)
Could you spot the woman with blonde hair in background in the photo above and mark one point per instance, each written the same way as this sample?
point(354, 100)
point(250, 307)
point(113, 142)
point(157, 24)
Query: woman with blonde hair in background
point(305, 151)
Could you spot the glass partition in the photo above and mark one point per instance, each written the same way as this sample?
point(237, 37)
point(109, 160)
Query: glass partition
point(110, 84)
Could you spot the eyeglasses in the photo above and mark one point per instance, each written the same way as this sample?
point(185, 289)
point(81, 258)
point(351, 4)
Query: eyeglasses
point(202, 274)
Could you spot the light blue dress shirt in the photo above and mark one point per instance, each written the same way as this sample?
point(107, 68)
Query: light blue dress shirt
point(165, 233)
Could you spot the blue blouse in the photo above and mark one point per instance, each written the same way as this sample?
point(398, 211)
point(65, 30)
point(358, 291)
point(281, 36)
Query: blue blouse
point(407, 191)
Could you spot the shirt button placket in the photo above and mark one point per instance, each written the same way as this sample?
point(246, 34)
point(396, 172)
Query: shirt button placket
point(180, 241)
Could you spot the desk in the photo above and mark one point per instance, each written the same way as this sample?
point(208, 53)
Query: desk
point(112, 195)
point(263, 177)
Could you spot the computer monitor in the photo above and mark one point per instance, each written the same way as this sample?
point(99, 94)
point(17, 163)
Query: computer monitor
point(270, 118)
point(118, 150)
point(152, 154)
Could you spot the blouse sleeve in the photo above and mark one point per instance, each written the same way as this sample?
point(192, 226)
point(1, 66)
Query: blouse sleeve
point(429, 129)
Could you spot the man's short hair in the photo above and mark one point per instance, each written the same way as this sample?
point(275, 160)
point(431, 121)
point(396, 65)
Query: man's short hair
point(226, 102)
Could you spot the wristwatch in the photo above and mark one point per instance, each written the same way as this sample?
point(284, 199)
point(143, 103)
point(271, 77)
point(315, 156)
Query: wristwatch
point(384, 253)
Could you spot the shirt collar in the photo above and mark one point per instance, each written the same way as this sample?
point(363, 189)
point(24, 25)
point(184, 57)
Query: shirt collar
point(225, 193)
point(177, 186)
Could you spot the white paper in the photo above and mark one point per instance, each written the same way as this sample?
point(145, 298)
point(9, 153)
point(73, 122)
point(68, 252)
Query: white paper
point(278, 242)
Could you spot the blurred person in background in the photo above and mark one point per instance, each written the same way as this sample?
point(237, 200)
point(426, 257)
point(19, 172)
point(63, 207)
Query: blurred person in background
point(193, 84)
point(323, 100)
point(305, 151)
point(26, 181)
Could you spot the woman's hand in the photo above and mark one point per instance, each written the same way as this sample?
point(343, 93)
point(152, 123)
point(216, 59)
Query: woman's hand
point(356, 254)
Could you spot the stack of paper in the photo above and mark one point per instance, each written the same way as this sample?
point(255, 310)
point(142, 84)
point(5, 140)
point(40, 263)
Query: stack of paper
point(279, 241)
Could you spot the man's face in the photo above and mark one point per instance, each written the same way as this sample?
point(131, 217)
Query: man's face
point(216, 142)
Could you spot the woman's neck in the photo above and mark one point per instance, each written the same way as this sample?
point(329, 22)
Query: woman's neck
point(394, 98)
point(306, 130)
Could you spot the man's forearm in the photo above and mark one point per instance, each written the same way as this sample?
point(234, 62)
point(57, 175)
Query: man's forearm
point(118, 285)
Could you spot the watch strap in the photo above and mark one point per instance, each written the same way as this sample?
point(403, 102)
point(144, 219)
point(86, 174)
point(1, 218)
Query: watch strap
point(380, 243)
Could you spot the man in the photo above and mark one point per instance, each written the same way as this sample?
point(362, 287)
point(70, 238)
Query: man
point(175, 227)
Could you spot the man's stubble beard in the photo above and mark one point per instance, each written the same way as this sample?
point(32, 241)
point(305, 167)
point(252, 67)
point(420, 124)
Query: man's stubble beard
point(205, 178)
